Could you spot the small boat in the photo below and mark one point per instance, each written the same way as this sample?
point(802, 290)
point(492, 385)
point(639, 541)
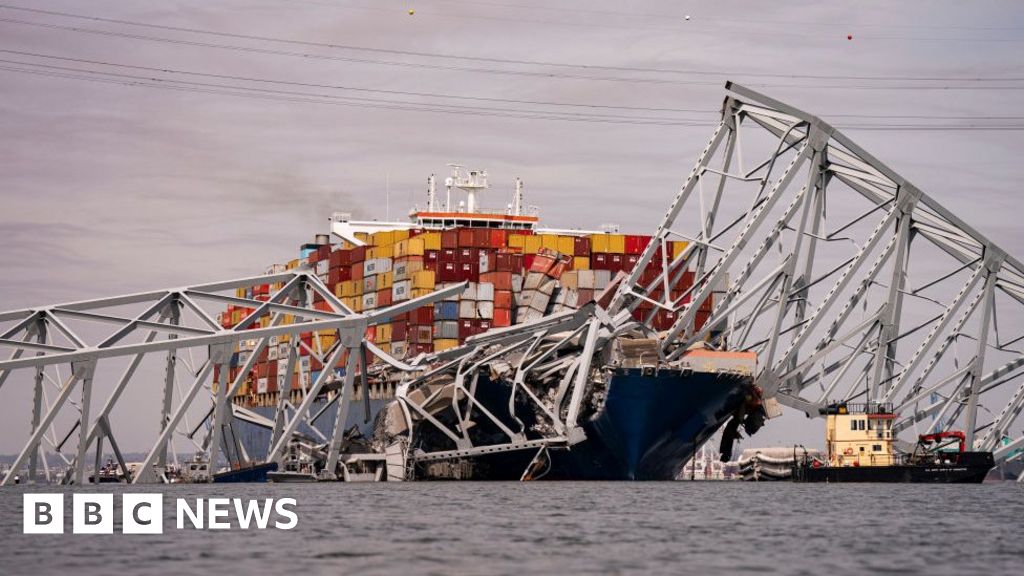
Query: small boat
point(246, 473)
point(859, 443)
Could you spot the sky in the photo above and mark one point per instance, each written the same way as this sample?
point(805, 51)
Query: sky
point(117, 177)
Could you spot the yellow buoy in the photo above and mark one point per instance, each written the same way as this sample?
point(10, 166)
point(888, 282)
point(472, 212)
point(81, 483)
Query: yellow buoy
point(411, 12)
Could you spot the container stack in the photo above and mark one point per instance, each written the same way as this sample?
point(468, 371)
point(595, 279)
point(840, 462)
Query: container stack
point(513, 276)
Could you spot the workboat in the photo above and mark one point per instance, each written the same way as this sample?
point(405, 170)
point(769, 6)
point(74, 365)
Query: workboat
point(860, 448)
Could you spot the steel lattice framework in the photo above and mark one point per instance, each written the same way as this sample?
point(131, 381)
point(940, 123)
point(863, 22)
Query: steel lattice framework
point(179, 326)
point(850, 283)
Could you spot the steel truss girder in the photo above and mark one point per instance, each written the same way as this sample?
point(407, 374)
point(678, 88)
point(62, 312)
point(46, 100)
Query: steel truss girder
point(897, 228)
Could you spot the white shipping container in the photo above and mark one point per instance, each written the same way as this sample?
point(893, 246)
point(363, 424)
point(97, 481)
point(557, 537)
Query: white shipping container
point(369, 301)
point(322, 267)
point(274, 340)
point(261, 385)
point(586, 279)
point(282, 384)
point(243, 357)
point(602, 278)
point(400, 290)
point(369, 284)
point(282, 366)
point(304, 364)
point(272, 353)
point(485, 292)
point(467, 309)
point(485, 262)
point(399, 349)
point(517, 282)
point(470, 292)
point(282, 350)
point(485, 310)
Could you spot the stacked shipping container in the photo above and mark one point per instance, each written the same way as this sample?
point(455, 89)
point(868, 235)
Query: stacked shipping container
point(513, 276)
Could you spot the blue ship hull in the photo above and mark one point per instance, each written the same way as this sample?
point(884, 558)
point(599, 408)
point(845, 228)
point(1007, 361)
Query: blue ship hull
point(651, 424)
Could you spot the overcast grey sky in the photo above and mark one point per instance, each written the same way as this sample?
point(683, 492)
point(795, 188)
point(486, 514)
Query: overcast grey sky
point(109, 188)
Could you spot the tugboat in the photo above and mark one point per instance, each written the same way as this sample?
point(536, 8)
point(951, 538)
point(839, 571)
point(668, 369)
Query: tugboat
point(859, 442)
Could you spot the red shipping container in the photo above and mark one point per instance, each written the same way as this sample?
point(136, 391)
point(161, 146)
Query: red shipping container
point(356, 271)
point(448, 255)
point(383, 297)
point(481, 237)
point(481, 325)
point(615, 262)
point(422, 316)
point(421, 334)
point(503, 299)
point(336, 275)
point(498, 238)
point(469, 272)
point(399, 331)
point(501, 280)
point(323, 252)
point(341, 258)
point(421, 348)
point(358, 254)
point(464, 255)
point(581, 246)
point(629, 261)
point(636, 244)
point(448, 272)
point(430, 256)
point(527, 261)
point(542, 263)
point(502, 317)
point(504, 261)
point(598, 261)
point(371, 333)
point(450, 239)
point(466, 329)
point(465, 237)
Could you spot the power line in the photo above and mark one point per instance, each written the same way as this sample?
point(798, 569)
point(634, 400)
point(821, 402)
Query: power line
point(330, 45)
point(353, 88)
point(261, 80)
point(304, 97)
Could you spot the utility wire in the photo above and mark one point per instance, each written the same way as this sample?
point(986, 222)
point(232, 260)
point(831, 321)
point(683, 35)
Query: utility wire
point(166, 70)
point(632, 69)
point(305, 97)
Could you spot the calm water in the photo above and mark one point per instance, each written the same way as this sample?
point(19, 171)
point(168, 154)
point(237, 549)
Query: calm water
point(610, 528)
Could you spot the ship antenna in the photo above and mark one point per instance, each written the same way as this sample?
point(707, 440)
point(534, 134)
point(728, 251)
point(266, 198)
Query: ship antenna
point(517, 200)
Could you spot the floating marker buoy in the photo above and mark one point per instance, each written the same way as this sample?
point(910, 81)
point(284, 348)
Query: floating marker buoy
point(411, 12)
point(687, 16)
point(849, 36)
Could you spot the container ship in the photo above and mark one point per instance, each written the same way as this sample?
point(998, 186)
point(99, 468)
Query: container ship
point(647, 426)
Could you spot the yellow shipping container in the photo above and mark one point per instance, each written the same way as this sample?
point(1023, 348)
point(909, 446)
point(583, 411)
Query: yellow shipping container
point(408, 247)
point(386, 238)
point(549, 241)
point(292, 264)
point(442, 344)
point(532, 244)
point(423, 279)
point(598, 242)
point(339, 289)
point(431, 240)
point(383, 333)
point(327, 340)
point(566, 245)
point(581, 263)
point(616, 244)
point(678, 248)
point(517, 240)
point(418, 292)
point(386, 280)
point(240, 292)
point(385, 346)
point(400, 235)
point(283, 339)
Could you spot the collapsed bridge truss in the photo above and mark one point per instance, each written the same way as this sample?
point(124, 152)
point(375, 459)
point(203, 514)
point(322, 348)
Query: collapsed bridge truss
point(850, 284)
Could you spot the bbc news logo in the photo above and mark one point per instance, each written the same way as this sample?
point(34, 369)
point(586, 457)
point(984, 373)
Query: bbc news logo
point(144, 513)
